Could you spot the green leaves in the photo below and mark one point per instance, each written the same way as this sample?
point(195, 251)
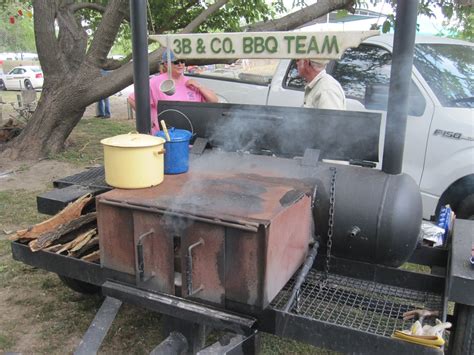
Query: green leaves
point(16, 27)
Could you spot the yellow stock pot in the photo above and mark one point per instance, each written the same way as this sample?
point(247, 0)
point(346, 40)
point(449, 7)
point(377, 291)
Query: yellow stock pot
point(133, 160)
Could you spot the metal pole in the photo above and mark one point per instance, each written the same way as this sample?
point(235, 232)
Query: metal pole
point(400, 78)
point(138, 19)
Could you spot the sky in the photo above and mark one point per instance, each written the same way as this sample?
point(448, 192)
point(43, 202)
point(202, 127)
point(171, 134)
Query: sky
point(426, 25)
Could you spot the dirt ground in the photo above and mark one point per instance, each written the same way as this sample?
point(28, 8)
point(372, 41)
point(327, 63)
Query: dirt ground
point(38, 175)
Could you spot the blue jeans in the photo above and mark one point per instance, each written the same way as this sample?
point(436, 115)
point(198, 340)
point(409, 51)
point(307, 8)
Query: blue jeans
point(103, 107)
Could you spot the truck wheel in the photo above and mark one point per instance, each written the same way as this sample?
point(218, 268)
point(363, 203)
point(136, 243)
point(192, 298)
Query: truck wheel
point(463, 342)
point(465, 209)
point(80, 286)
point(2, 86)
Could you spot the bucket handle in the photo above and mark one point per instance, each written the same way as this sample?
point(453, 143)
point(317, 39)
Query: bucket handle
point(178, 111)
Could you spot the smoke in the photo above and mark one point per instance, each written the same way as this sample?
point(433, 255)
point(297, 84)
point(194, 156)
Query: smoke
point(288, 132)
point(247, 140)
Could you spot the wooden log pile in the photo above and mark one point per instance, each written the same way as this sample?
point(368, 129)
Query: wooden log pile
point(68, 233)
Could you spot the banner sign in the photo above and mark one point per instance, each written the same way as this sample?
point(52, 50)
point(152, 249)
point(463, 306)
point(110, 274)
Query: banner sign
point(314, 45)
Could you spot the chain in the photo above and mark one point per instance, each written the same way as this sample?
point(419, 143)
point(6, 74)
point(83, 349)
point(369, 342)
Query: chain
point(332, 204)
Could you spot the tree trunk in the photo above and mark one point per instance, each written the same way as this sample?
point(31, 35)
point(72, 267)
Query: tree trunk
point(49, 128)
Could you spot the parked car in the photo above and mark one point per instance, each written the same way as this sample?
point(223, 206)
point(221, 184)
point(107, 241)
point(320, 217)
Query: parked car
point(439, 143)
point(24, 77)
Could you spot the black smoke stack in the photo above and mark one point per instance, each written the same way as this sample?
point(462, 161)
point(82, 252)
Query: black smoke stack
point(400, 78)
point(138, 22)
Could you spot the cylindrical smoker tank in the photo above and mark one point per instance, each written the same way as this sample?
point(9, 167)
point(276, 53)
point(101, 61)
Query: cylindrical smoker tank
point(377, 216)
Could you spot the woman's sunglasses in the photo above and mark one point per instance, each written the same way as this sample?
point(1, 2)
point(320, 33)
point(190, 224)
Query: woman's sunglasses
point(180, 61)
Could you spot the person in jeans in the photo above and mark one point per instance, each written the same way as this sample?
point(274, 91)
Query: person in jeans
point(103, 105)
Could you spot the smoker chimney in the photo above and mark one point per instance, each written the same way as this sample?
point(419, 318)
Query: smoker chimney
point(138, 21)
point(400, 77)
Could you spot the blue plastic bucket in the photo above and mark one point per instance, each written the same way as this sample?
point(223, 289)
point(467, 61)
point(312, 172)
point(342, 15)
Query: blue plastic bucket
point(176, 150)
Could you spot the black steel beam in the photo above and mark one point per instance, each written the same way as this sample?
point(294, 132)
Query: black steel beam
point(335, 337)
point(234, 344)
point(66, 266)
point(180, 308)
point(384, 274)
point(51, 202)
point(430, 256)
point(175, 343)
point(461, 288)
point(99, 327)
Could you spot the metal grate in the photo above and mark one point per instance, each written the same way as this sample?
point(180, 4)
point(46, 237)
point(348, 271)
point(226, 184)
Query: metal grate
point(358, 304)
point(94, 177)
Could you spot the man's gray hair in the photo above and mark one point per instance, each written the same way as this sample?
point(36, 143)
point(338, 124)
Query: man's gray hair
point(318, 63)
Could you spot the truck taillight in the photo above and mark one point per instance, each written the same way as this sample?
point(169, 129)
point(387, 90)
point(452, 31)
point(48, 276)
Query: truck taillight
point(39, 75)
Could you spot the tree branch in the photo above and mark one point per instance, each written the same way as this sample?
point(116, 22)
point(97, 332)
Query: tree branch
point(177, 15)
point(191, 27)
point(107, 31)
point(72, 37)
point(301, 17)
point(45, 37)
point(91, 6)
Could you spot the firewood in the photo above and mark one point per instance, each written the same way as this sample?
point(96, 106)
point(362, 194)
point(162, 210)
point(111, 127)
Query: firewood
point(46, 239)
point(53, 248)
point(70, 212)
point(81, 243)
point(73, 243)
point(93, 240)
point(94, 256)
point(92, 245)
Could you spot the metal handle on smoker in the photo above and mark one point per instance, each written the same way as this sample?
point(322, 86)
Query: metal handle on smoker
point(140, 258)
point(294, 296)
point(189, 269)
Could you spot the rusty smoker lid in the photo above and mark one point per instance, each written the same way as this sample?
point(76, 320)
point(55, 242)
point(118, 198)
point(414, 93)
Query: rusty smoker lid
point(236, 197)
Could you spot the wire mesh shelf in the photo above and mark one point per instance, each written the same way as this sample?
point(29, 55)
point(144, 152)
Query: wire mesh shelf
point(358, 304)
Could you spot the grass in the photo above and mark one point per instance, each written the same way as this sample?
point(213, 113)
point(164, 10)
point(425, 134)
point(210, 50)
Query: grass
point(84, 146)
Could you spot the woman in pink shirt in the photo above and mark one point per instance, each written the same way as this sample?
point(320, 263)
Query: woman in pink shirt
point(186, 89)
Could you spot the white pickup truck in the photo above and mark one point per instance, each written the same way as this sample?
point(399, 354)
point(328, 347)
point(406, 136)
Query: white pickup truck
point(439, 145)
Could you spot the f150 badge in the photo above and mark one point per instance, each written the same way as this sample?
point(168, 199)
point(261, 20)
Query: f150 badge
point(452, 135)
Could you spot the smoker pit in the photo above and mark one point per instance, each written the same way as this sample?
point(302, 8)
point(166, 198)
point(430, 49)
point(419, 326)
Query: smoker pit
point(221, 238)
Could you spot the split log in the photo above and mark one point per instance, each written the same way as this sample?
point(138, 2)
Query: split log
point(70, 212)
point(94, 256)
point(47, 239)
point(86, 236)
point(53, 248)
point(91, 246)
point(92, 240)
point(84, 241)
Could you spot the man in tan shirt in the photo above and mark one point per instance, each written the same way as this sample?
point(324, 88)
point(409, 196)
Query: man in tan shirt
point(322, 90)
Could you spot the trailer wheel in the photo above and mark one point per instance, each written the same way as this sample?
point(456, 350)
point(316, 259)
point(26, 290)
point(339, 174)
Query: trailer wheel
point(80, 286)
point(465, 209)
point(463, 342)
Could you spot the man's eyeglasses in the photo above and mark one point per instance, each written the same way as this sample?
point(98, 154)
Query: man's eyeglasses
point(176, 62)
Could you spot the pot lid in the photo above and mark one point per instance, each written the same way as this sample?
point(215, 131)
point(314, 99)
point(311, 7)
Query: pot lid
point(132, 140)
point(176, 135)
